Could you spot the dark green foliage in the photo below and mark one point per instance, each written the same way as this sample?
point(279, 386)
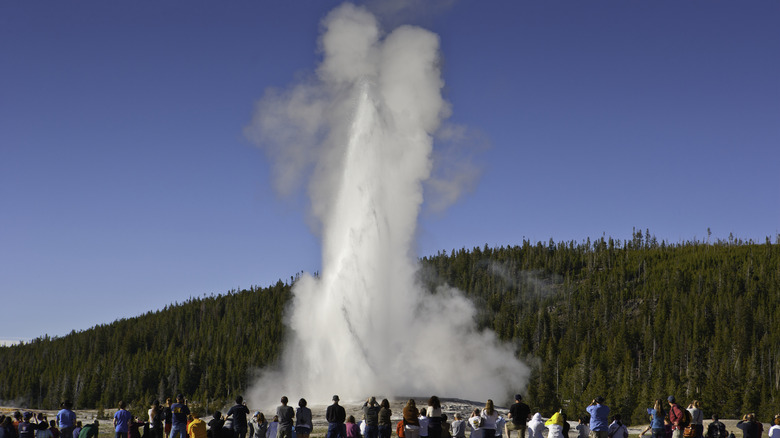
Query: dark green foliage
point(632, 321)
point(205, 348)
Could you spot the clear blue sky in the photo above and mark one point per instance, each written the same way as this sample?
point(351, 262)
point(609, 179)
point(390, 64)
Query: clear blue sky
point(126, 182)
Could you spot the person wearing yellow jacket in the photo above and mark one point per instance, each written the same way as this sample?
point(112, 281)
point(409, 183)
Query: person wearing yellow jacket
point(555, 426)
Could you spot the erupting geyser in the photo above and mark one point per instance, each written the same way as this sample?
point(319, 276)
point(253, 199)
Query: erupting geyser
point(363, 129)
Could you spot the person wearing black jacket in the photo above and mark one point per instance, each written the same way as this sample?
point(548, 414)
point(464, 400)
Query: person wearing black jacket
point(336, 415)
point(239, 413)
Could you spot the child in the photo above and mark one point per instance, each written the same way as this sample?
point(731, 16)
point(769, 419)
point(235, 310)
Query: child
point(445, 427)
point(353, 430)
point(500, 424)
point(583, 429)
point(668, 427)
point(273, 426)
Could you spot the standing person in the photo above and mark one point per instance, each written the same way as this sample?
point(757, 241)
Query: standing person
point(583, 430)
point(258, 426)
point(156, 419)
point(239, 412)
point(25, 428)
point(774, 431)
point(434, 417)
point(749, 427)
point(656, 425)
point(196, 427)
point(66, 419)
point(7, 429)
point(599, 413)
point(90, 430)
point(555, 426)
point(423, 419)
point(55, 433)
point(215, 426)
point(303, 420)
point(716, 429)
point(353, 430)
point(385, 422)
point(42, 428)
point(286, 415)
point(536, 426)
point(697, 418)
point(168, 416)
point(676, 417)
point(179, 414)
point(617, 429)
point(273, 427)
point(411, 420)
point(335, 414)
point(122, 419)
point(475, 423)
point(133, 429)
point(501, 426)
point(458, 427)
point(489, 417)
point(519, 413)
point(371, 415)
point(445, 427)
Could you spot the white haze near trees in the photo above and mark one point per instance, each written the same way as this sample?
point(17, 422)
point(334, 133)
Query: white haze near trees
point(361, 134)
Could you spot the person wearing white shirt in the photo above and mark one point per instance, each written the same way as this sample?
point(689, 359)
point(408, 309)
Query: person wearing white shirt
point(536, 426)
point(475, 422)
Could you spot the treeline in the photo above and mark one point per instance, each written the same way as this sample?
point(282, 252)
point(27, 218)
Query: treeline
point(205, 348)
point(634, 320)
point(630, 320)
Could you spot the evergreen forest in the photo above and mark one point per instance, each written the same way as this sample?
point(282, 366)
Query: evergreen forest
point(631, 320)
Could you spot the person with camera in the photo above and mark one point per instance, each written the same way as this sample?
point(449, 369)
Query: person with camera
point(599, 418)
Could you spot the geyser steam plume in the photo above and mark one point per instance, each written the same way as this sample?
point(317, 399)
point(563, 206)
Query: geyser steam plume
point(363, 129)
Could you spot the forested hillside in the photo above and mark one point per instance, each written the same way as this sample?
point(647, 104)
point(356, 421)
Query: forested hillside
point(630, 320)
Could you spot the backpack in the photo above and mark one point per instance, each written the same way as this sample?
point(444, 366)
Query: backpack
point(399, 429)
point(685, 421)
point(722, 430)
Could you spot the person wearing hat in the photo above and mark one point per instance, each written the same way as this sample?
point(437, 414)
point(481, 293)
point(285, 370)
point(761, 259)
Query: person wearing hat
point(675, 417)
point(599, 416)
point(336, 415)
point(519, 413)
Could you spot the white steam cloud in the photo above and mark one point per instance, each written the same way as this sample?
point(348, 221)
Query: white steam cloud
point(361, 134)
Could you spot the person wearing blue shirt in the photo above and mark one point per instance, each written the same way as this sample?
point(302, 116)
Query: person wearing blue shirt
point(66, 419)
point(122, 420)
point(599, 417)
point(657, 415)
point(180, 411)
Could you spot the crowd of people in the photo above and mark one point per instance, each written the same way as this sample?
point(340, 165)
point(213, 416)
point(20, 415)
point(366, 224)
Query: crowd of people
point(176, 420)
point(29, 425)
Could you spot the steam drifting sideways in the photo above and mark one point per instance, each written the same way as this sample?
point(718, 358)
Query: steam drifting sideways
point(362, 131)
